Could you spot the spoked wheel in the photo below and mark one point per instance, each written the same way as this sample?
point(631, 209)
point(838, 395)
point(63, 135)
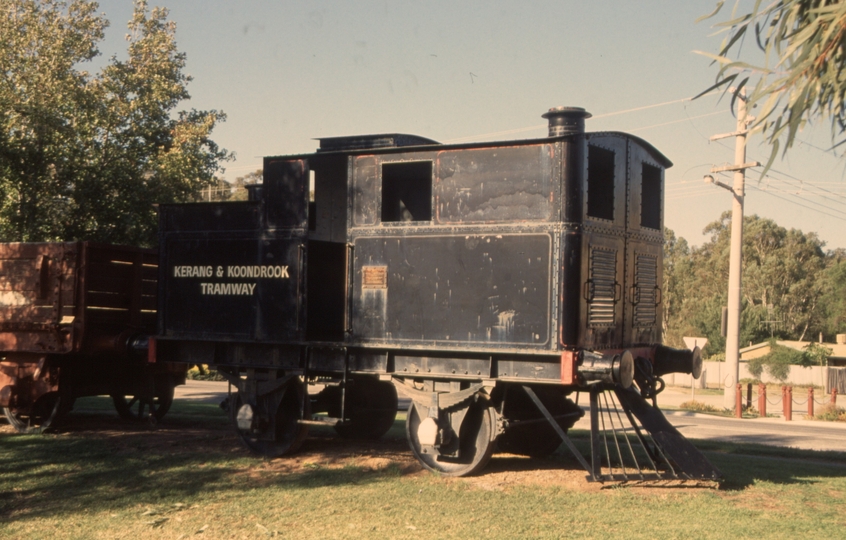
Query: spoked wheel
point(42, 414)
point(279, 434)
point(137, 407)
point(529, 433)
point(371, 408)
point(474, 443)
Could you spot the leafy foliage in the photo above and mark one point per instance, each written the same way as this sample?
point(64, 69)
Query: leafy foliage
point(86, 156)
point(815, 354)
point(777, 362)
point(677, 273)
point(241, 183)
point(801, 76)
point(833, 301)
point(784, 282)
point(223, 190)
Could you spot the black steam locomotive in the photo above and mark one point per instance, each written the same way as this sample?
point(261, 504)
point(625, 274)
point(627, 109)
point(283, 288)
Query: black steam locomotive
point(485, 282)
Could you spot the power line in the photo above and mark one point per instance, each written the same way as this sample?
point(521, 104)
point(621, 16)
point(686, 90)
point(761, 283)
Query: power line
point(495, 134)
point(771, 194)
point(685, 188)
point(770, 188)
point(595, 117)
point(804, 182)
point(645, 107)
point(809, 183)
point(815, 147)
point(677, 190)
point(690, 195)
point(675, 121)
point(797, 196)
point(803, 199)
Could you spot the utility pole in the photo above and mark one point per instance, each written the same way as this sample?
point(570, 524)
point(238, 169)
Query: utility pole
point(738, 191)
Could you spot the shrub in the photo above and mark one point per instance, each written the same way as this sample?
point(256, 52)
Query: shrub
point(778, 361)
point(719, 356)
point(831, 413)
point(756, 367)
point(698, 406)
point(203, 373)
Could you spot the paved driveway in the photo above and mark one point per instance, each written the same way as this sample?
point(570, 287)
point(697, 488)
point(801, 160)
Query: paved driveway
point(807, 434)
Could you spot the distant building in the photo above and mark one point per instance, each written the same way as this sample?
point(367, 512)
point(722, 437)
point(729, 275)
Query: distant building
point(834, 375)
point(836, 358)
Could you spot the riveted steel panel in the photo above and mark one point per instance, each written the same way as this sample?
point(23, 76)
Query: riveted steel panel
point(496, 184)
point(454, 289)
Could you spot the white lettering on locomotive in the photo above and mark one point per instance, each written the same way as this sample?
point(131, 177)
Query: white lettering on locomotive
point(192, 271)
point(228, 289)
point(257, 271)
point(251, 271)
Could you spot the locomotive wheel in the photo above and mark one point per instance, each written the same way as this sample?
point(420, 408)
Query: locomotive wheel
point(288, 434)
point(44, 411)
point(535, 437)
point(475, 441)
point(135, 407)
point(371, 409)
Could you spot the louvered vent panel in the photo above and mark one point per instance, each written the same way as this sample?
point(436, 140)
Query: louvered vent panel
point(646, 278)
point(603, 270)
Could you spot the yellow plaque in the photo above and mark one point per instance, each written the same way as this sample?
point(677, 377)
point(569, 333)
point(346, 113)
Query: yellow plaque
point(374, 277)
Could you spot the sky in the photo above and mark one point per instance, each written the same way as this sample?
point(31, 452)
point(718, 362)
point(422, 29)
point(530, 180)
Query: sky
point(288, 72)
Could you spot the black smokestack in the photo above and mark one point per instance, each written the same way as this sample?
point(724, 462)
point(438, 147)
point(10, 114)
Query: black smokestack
point(566, 120)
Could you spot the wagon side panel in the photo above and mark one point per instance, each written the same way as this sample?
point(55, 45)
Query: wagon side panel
point(38, 298)
point(117, 287)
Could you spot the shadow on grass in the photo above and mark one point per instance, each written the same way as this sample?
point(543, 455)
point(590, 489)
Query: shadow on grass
point(745, 464)
point(96, 462)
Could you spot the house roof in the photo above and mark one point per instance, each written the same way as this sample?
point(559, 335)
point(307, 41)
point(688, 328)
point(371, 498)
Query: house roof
point(837, 350)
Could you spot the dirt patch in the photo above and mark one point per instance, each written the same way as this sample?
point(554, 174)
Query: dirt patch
point(507, 471)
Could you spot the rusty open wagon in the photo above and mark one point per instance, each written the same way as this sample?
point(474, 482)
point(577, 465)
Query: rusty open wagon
point(74, 321)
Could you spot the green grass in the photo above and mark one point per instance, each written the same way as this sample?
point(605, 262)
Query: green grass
point(189, 478)
point(182, 409)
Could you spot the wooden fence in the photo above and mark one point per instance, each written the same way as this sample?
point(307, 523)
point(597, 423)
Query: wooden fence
point(836, 379)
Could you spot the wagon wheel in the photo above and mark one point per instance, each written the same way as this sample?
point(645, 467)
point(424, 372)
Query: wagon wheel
point(475, 441)
point(43, 412)
point(284, 434)
point(530, 433)
point(137, 407)
point(371, 408)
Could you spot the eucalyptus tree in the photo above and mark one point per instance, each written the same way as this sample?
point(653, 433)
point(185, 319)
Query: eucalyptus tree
point(678, 274)
point(86, 155)
point(784, 287)
point(833, 301)
point(800, 76)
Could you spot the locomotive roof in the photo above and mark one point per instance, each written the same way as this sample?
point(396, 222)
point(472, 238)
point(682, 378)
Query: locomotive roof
point(400, 142)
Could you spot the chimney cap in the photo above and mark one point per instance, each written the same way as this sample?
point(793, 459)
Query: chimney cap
point(578, 112)
point(566, 120)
